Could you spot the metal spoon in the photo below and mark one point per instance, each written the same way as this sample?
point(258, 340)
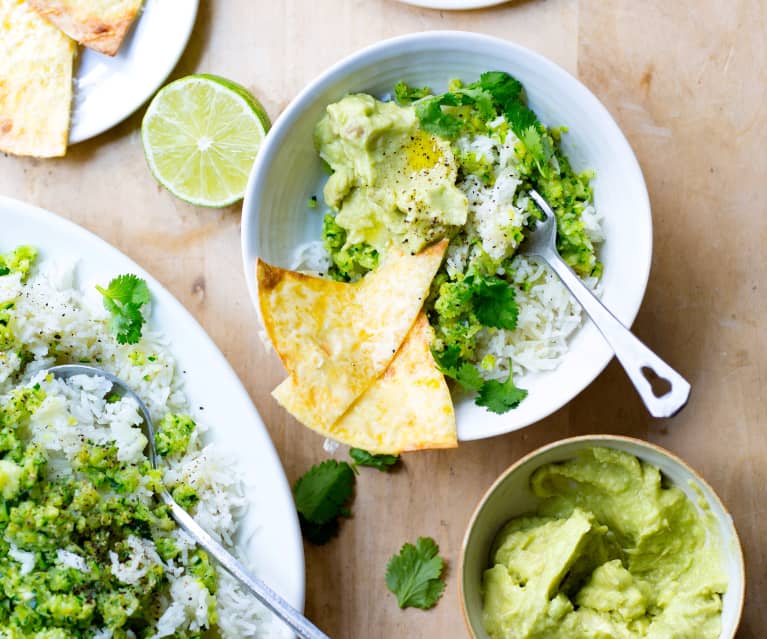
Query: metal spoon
point(292, 617)
point(637, 360)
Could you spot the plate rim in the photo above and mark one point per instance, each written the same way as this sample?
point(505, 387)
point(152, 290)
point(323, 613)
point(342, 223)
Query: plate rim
point(134, 105)
point(454, 5)
point(73, 230)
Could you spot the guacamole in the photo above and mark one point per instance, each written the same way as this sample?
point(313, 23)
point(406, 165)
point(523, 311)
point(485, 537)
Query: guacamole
point(390, 180)
point(613, 552)
point(422, 167)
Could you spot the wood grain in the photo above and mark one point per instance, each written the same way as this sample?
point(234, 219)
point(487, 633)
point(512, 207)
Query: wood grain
point(686, 80)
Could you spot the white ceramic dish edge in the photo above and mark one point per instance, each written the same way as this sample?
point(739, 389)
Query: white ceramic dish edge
point(109, 89)
point(510, 496)
point(271, 535)
point(577, 372)
point(454, 5)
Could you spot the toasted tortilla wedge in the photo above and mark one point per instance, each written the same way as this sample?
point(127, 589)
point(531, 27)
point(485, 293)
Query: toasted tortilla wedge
point(36, 63)
point(97, 24)
point(407, 408)
point(335, 339)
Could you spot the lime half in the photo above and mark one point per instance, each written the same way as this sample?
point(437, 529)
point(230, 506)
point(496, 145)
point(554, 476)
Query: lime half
point(201, 135)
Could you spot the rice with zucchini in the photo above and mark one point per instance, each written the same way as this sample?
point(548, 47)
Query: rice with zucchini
point(421, 167)
point(86, 547)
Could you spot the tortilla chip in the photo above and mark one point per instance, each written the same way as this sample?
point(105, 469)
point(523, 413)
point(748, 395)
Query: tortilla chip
point(408, 408)
point(335, 339)
point(97, 24)
point(36, 65)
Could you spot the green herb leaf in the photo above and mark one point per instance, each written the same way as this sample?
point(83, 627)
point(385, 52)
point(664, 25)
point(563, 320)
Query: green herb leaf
point(520, 118)
point(318, 534)
point(384, 463)
point(449, 361)
point(436, 121)
point(321, 495)
point(504, 88)
point(405, 94)
point(494, 302)
point(468, 377)
point(123, 298)
point(414, 575)
point(500, 397)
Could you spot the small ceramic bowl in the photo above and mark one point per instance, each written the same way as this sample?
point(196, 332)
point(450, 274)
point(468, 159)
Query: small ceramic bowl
point(510, 496)
point(276, 220)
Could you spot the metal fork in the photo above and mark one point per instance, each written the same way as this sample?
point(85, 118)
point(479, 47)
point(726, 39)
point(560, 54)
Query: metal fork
point(637, 360)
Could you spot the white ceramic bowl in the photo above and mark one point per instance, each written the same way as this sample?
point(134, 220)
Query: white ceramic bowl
point(276, 219)
point(510, 496)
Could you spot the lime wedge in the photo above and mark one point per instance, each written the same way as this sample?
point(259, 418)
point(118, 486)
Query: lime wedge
point(201, 135)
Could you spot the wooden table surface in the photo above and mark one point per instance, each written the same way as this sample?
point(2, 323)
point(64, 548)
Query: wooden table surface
point(685, 79)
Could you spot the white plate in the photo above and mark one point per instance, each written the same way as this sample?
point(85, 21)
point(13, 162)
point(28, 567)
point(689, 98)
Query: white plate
point(270, 534)
point(454, 5)
point(287, 171)
point(108, 89)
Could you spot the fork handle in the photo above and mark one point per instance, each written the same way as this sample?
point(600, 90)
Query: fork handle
point(633, 355)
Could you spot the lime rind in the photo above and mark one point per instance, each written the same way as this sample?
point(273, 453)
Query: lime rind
point(201, 135)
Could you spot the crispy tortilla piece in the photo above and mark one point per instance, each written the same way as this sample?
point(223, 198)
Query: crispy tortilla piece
point(97, 24)
point(335, 339)
point(36, 65)
point(407, 408)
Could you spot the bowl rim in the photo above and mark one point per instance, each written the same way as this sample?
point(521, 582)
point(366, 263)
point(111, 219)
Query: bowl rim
point(413, 43)
point(605, 438)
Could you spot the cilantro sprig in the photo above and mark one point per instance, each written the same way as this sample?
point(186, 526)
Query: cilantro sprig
point(321, 495)
point(123, 298)
point(500, 397)
point(405, 94)
point(384, 463)
point(495, 302)
point(495, 93)
point(449, 361)
point(415, 575)
point(497, 397)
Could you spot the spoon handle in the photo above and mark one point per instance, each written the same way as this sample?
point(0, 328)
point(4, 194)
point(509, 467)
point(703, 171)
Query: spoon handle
point(292, 617)
point(636, 359)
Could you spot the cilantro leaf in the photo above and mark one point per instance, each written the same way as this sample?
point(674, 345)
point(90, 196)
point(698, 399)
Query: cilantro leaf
point(123, 298)
point(504, 88)
point(405, 94)
point(436, 121)
point(318, 534)
point(468, 377)
point(414, 575)
point(384, 463)
point(520, 118)
point(451, 121)
point(321, 495)
point(449, 362)
point(494, 303)
point(509, 98)
point(500, 397)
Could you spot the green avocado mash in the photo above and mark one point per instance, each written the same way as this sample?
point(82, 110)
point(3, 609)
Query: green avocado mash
point(613, 552)
point(390, 180)
point(457, 165)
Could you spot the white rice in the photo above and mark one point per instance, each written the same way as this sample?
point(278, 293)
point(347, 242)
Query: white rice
point(548, 314)
point(48, 310)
